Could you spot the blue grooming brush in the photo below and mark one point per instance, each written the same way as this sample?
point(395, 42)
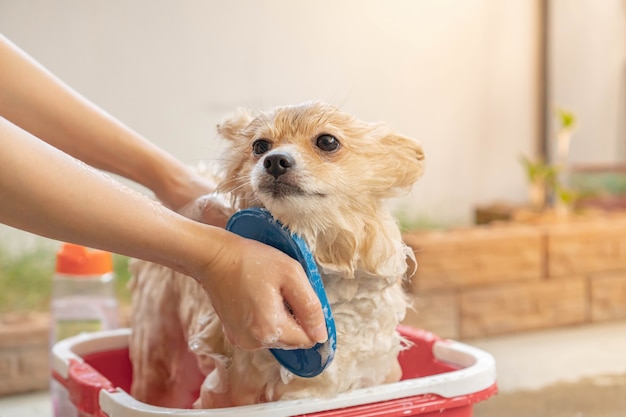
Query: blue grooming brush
point(258, 224)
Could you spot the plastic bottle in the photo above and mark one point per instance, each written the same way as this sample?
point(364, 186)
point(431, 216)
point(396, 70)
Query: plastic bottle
point(83, 300)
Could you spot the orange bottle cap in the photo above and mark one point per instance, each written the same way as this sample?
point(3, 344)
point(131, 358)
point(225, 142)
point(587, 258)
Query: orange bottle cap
point(79, 260)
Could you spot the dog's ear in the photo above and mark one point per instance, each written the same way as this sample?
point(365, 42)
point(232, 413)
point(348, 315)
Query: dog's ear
point(406, 159)
point(231, 126)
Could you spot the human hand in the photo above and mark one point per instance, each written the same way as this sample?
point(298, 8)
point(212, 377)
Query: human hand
point(249, 283)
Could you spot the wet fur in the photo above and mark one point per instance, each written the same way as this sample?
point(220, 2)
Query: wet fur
point(178, 346)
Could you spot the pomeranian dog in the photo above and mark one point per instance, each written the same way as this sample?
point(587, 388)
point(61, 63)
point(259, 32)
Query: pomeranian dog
point(326, 176)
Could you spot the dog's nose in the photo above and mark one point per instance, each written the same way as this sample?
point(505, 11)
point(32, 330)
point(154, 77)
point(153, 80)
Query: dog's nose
point(277, 164)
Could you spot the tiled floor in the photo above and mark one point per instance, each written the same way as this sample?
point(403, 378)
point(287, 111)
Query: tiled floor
point(536, 371)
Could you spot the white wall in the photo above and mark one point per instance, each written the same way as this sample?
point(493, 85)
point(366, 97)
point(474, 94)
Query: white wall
point(588, 75)
point(458, 75)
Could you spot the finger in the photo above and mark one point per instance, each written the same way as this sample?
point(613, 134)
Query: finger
point(292, 335)
point(306, 308)
point(279, 328)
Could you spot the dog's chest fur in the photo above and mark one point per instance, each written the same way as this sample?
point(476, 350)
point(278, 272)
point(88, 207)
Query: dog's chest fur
point(367, 310)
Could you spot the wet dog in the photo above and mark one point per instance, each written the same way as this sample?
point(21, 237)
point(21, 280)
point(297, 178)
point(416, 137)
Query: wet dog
point(326, 176)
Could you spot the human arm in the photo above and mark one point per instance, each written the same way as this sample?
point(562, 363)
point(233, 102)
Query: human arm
point(37, 101)
point(47, 192)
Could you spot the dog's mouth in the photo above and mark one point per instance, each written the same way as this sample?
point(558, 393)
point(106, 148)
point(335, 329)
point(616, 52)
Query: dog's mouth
point(280, 189)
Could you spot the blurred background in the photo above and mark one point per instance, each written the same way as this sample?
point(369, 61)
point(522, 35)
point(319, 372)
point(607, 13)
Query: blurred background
point(479, 82)
point(474, 80)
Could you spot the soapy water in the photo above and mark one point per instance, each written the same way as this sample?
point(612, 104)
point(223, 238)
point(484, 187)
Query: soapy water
point(271, 340)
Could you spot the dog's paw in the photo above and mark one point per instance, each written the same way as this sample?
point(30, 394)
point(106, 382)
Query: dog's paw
point(213, 209)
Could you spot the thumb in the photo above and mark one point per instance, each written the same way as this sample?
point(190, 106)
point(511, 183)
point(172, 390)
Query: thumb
point(307, 309)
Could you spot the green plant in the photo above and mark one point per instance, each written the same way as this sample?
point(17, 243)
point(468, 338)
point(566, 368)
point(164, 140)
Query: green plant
point(542, 178)
point(408, 222)
point(565, 195)
point(538, 171)
point(552, 179)
point(122, 277)
point(25, 280)
point(567, 119)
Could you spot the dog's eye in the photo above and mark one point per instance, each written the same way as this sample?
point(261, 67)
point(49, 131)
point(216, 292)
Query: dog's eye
point(327, 143)
point(260, 146)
